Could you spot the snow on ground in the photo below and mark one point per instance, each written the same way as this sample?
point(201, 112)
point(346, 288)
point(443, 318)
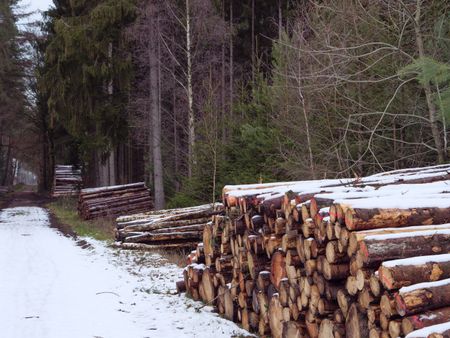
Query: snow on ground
point(51, 287)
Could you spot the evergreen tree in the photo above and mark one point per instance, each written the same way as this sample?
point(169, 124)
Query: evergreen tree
point(87, 73)
point(12, 86)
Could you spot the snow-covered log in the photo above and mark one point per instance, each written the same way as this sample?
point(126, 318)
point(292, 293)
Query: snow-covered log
point(114, 200)
point(378, 248)
point(423, 296)
point(404, 272)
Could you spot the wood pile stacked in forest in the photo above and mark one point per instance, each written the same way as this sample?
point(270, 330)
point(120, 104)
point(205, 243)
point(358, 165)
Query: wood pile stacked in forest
point(365, 257)
point(181, 227)
point(4, 189)
point(113, 201)
point(67, 181)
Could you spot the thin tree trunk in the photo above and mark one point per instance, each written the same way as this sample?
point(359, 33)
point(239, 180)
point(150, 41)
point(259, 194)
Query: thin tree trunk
point(8, 164)
point(231, 59)
point(223, 80)
point(280, 20)
point(175, 132)
point(156, 118)
point(305, 116)
point(191, 120)
point(253, 41)
point(434, 122)
point(111, 163)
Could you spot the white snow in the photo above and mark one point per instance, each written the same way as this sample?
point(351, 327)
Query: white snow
point(424, 316)
point(426, 331)
point(400, 190)
point(408, 234)
point(395, 201)
point(320, 186)
point(417, 260)
point(51, 287)
point(112, 187)
point(408, 229)
point(325, 210)
point(425, 285)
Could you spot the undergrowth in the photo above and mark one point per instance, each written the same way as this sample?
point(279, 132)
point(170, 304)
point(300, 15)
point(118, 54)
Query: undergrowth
point(65, 209)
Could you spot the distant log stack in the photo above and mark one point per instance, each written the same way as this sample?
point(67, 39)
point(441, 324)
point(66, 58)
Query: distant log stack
point(333, 258)
point(67, 181)
point(4, 189)
point(169, 228)
point(113, 201)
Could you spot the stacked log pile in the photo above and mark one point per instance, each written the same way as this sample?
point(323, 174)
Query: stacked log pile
point(113, 201)
point(182, 227)
point(67, 181)
point(331, 258)
point(4, 189)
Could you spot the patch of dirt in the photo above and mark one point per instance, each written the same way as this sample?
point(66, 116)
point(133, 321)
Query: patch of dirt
point(33, 199)
point(24, 199)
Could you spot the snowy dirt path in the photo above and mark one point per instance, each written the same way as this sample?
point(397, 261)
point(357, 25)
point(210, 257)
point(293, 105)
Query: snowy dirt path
point(50, 287)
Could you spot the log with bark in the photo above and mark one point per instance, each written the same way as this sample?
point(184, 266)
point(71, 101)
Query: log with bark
point(114, 200)
point(422, 297)
point(183, 228)
point(284, 265)
point(404, 272)
point(67, 181)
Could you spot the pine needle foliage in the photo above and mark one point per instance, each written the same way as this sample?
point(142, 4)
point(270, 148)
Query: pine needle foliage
point(89, 71)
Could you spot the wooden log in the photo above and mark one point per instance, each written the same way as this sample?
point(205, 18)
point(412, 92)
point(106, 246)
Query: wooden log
point(388, 306)
point(344, 301)
point(230, 309)
point(181, 286)
point(209, 291)
point(292, 329)
point(395, 328)
point(329, 329)
point(149, 247)
point(277, 268)
point(335, 271)
point(425, 319)
point(356, 237)
point(357, 218)
point(276, 317)
point(378, 248)
point(434, 331)
point(170, 236)
point(356, 323)
point(289, 240)
point(375, 286)
point(331, 291)
point(404, 272)
point(421, 297)
point(263, 281)
point(308, 227)
point(332, 253)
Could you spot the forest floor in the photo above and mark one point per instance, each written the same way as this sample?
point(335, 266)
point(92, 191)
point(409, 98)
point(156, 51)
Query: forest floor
point(57, 284)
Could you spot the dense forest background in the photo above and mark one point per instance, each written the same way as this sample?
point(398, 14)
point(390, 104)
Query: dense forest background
point(190, 95)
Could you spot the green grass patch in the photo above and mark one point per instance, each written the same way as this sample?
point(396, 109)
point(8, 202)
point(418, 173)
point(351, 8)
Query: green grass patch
point(65, 209)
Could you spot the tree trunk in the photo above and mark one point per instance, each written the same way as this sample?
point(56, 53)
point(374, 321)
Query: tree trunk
point(253, 42)
point(191, 118)
point(154, 51)
point(231, 60)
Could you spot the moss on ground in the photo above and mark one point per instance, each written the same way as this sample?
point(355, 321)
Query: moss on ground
point(65, 209)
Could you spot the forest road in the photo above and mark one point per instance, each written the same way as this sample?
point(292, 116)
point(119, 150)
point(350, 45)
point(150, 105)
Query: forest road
point(51, 287)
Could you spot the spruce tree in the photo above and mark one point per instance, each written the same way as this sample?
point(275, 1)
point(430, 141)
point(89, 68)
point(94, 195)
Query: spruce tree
point(88, 71)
